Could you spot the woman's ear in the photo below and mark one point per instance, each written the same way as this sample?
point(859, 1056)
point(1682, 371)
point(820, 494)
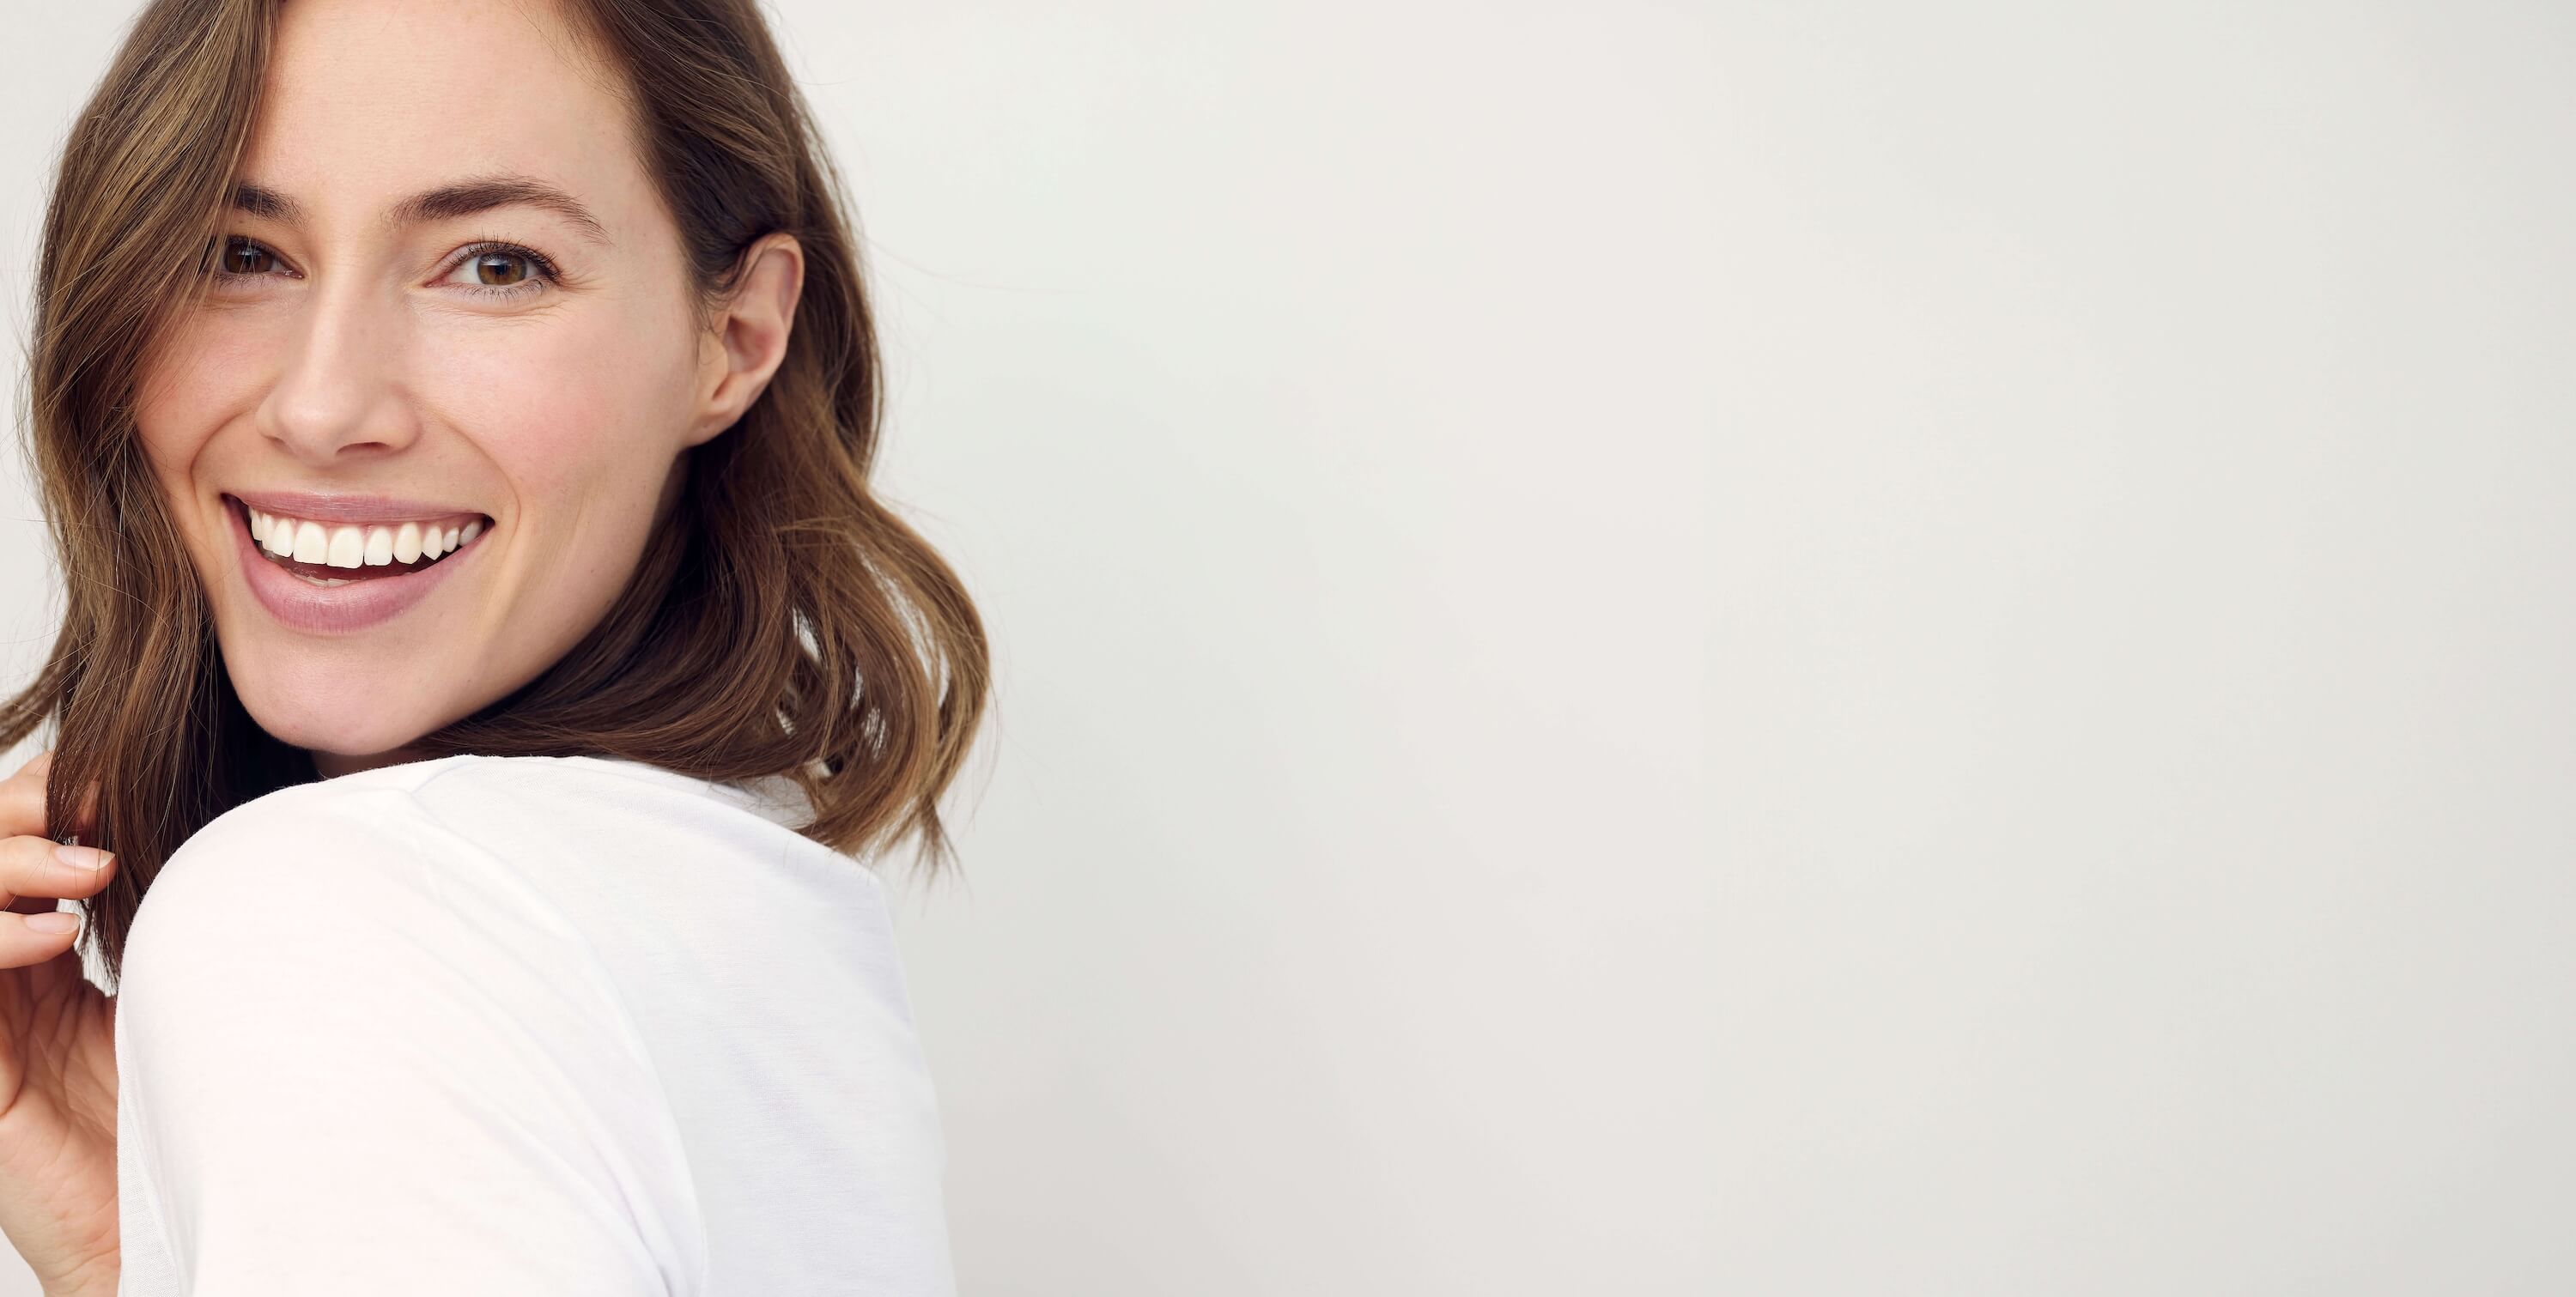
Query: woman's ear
point(748, 337)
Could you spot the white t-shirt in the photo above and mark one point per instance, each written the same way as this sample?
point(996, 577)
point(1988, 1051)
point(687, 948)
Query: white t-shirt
point(514, 1026)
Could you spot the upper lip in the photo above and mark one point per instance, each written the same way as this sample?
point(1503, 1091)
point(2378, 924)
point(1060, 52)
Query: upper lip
point(341, 506)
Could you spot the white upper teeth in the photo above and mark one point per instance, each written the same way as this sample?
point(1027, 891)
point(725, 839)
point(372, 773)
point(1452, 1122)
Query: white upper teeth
point(352, 546)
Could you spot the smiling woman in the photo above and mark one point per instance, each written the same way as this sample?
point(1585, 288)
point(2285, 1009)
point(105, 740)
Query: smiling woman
point(460, 469)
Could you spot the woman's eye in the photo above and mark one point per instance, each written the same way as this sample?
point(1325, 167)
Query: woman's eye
point(239, 258)
point(500, 269)
point(503, 270)
point(246, 259)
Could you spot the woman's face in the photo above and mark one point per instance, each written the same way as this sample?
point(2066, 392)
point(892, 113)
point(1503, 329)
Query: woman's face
point(452, 305)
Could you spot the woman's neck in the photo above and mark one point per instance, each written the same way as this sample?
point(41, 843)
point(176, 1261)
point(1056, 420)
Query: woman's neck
point(332, 765)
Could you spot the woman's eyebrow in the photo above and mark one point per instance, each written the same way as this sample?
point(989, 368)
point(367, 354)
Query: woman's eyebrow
point(462, 198)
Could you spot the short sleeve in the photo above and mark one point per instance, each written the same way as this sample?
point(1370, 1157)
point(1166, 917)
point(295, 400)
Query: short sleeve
point(358, 1052)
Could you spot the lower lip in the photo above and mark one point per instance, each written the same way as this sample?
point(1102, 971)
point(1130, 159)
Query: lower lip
point(334, 609)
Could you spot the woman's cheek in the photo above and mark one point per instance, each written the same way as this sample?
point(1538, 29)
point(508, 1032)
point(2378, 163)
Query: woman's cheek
point(568, 384)
point(206, 372)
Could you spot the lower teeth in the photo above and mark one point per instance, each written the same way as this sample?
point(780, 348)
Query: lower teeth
point(311, 580)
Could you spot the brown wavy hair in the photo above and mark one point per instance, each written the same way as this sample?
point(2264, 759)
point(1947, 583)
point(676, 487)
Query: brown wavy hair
point(788, 623)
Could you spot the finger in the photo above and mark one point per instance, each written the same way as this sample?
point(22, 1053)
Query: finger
point(86, 814)
point(36, 768)
point(22, 800)
point(22, 803)
point(22, 944)
point(38, 867)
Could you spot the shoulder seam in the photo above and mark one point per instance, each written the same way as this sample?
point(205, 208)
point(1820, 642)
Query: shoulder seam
point(625, 776)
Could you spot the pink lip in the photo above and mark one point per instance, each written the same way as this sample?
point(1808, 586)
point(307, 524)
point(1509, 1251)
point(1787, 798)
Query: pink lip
point(338, 609)
point(336, 506)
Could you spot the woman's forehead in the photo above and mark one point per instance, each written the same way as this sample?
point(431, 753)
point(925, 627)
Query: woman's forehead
point(368, 105)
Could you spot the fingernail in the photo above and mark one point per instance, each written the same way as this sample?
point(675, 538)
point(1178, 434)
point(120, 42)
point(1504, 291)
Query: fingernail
point(54, 921)
point(89, 858)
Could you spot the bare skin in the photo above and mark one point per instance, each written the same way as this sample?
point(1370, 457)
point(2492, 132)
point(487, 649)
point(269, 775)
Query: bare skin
point(57, 1061)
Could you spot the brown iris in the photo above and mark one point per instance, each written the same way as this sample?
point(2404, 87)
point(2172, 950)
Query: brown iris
point(503, 260)
point(245, 258)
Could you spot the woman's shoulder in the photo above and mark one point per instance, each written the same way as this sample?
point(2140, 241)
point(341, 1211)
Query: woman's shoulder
point(571, 783)
point(333, 979)
point(352, 887)
point(581, 840)
point(497, 805)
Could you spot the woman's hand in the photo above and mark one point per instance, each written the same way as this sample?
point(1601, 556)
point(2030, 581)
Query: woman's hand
point(57, 1057)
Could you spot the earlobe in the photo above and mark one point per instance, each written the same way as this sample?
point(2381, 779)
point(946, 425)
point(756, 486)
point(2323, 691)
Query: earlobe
point(749, 339)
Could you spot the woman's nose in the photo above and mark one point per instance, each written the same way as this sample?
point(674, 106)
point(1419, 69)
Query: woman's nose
point(343, 386)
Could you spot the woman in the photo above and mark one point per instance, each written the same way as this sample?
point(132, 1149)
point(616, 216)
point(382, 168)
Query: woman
point(482, 646)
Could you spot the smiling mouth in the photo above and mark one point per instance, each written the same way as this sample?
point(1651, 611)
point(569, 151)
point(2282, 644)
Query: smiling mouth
point(332, 554)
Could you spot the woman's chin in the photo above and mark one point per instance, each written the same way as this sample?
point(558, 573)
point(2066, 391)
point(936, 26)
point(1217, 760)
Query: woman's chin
point(345, 735)
point(339, 695)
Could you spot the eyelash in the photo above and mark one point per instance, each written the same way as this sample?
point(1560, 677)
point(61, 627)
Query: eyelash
point(545, 276)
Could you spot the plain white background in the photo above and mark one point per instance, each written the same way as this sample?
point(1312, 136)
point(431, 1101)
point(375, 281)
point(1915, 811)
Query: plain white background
point(1670, 649)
